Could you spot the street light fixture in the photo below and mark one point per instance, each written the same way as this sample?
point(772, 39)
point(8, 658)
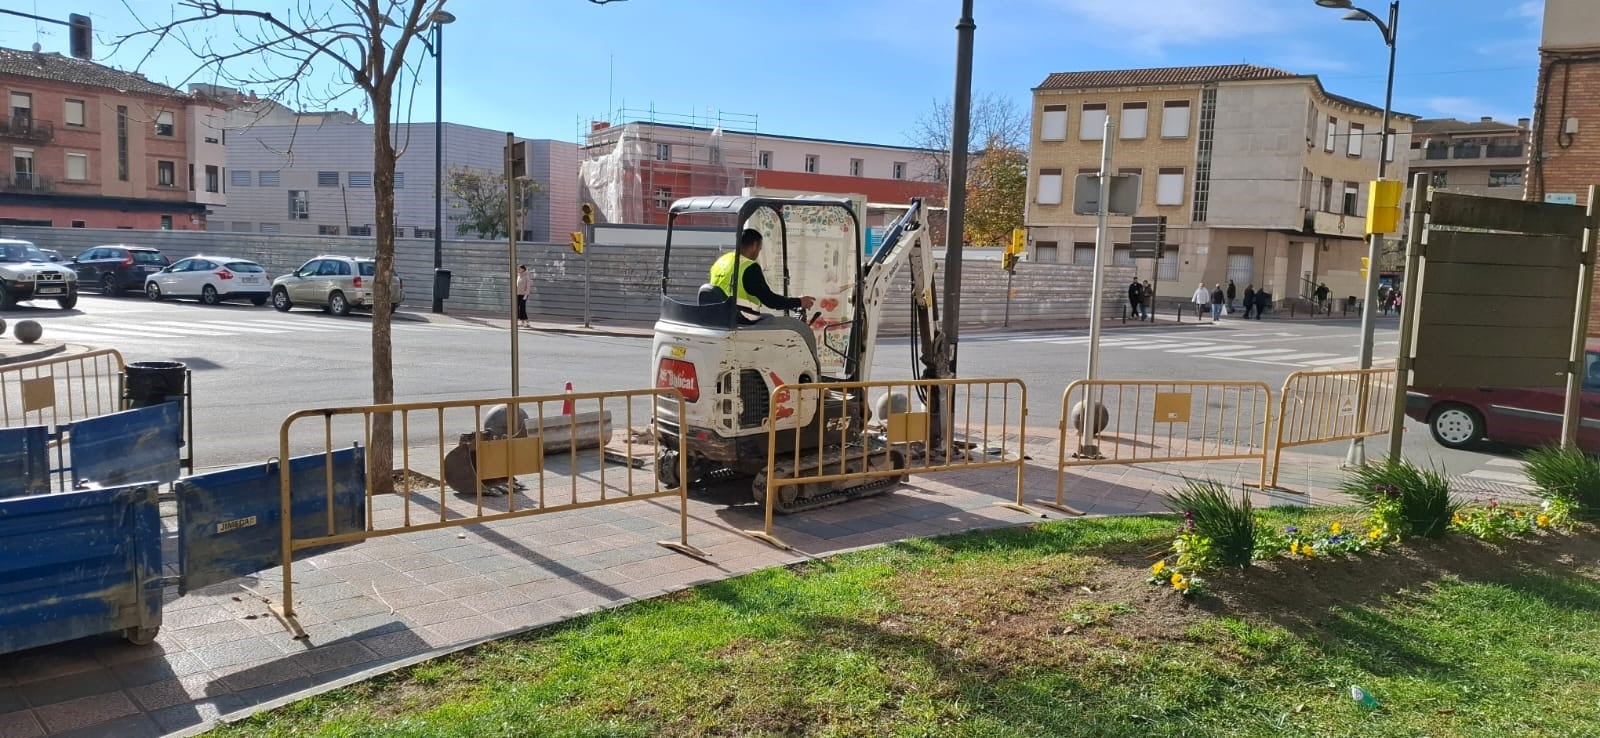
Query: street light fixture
point(439, 19)
point(1357, 455)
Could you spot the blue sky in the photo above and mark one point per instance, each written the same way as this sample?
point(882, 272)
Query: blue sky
point(866, 69)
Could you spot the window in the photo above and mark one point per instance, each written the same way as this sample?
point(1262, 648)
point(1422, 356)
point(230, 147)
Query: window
point(424, 233)
point(1169, 186)
point(663, 152)
point(813, 163)
point(1327, 195)
point(191, 177)
point(213, 178)
point(1054, 126)
point(122, 143)
point(1045, 252)
point(22, 165)
point(1468, 148)
point(327, 230)
point(1121, 255)
point(363, 231)
point(166, 222)
point(361, 180)
point(663, 198)
point(240, 226)
point(399, 180)
point(164, 126)
point(1241, 267)
point(855, 167)
point(1438, 149)
point(1175, 119)
point(1167, 267)
point(72, 115)
point(765, 159)
point(1352, 195)
point(267, 179)
point(77, 167)
point(1083, 254)
point(327, 179)
point(1505, 177)
point(1441, 178)
point(299, 205)
point(239, 178)
point(1333, 134)
point(22, 106)
point(1092, 123)
point(1135, 120)
point(1353, 145)
point(166, 174)
point(1049, 187)
point(1504, 148)
point(80, 224)
point(270, 228)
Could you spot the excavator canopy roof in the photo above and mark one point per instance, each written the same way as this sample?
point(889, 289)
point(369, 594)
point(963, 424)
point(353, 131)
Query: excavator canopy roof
point(743, 207)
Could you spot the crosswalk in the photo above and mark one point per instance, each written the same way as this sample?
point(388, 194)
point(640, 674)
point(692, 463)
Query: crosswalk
point(135, 326)
point(1498, 475)
point(1279, 349)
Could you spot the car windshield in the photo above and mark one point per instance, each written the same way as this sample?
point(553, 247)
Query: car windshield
point(149, 257)
point(16, 253)
point(368, 268)
point(245, 266)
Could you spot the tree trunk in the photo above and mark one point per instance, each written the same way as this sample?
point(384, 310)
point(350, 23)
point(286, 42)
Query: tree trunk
point(380, 455)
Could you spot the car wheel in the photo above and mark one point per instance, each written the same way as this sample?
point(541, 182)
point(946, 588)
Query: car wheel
point(280, 300)
point(1456, 426)
point(69, 302)
point(7, 299)
point(209, 296)
point(153, 291)
point(108, 286)
point(395, 308)
point(258, 300)
point(338, 305)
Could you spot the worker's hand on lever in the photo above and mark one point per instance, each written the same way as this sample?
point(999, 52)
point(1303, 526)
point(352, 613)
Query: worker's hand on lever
point(807, 301)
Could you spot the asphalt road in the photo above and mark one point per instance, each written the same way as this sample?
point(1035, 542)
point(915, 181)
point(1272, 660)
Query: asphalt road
point(253, 366)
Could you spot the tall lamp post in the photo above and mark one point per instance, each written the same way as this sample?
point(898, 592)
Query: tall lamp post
point(439, 19)
point(1357, 455)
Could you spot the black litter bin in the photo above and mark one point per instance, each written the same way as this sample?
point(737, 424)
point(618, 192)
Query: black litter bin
point(441, 284)
point(154, 382)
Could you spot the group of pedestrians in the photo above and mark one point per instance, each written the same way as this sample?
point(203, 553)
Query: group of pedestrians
point(1220, 299)
point(1141, 299)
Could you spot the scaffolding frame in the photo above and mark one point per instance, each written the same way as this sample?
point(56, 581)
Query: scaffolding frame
point(639, 161)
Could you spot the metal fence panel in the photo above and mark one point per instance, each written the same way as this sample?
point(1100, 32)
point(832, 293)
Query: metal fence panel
point(60, 390)
point(1335, 405)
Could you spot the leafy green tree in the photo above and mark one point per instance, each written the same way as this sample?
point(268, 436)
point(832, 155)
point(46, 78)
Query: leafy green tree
point(481, 206)
point(997, 192)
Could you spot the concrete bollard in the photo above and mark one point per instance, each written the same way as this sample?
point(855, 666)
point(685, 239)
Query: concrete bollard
point(29, 331)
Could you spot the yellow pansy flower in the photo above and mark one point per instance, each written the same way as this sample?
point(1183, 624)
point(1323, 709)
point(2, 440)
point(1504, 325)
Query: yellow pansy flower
point(1336, 528)
point(1543, 521)
point(1294, 548)
point(1308, 551)
point(1180, 583)
point(1156, 570)
point(1375, 533)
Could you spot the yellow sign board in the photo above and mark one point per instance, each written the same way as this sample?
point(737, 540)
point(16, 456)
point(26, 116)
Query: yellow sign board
point(1173, 407)
point(908, 427)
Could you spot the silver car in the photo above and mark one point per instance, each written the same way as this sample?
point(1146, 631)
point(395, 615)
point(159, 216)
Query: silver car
point(26, 273)
point(337, 284)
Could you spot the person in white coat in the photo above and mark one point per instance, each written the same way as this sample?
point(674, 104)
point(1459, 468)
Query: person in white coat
point(1202, 299)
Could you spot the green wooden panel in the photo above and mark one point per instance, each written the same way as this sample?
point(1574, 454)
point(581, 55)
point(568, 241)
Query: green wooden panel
point(1507, 249)
point(1440, 372)
point(1500, 281)
point(1496, 214)
point(1434, 339)
point(1533, 312)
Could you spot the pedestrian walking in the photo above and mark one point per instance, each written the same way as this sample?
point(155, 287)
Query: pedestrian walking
point(1218, 300)
point(1232, 295)
point(1135, 297)
point(524, 290)
point(1147, 302)
point(1263, 301)
point(1249, 300)
point(1201, 298)
point(1321, 293)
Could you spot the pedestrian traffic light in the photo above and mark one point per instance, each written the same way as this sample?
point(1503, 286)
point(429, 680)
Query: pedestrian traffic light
point(1366, 267)
point(577, 242)
point(1019, 240)
point(588, 214)
point(81, 36)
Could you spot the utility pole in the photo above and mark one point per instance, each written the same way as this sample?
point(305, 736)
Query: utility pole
point(1101, 239)
point(955, 224)
point(511, 240)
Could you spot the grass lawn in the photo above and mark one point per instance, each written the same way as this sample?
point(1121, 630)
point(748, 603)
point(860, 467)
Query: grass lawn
point(1044, 631)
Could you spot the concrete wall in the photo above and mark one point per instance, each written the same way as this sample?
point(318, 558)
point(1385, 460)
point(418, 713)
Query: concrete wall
point(625, 280)
point(1570, 24)
point(1258, 155)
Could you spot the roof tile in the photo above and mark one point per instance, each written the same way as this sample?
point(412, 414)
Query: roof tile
point(60, 68)
point(1161, 76)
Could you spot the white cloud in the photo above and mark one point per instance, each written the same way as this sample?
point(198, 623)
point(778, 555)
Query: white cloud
point(1467, 108)
point(1151, 26)
point(1531, 9)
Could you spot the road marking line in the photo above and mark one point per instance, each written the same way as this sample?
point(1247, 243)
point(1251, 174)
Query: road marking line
point(1513, 463)
point(1302, 357)
point(309, 325)
point(1515, 480)
point(1331, 362)
point(214, 327)
point(113, 330)
point(1260, 353)
point(1202, 348)
point(1154, 346)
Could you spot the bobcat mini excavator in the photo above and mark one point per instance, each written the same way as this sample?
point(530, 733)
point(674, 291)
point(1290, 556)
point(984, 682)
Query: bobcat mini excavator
point(727, 360)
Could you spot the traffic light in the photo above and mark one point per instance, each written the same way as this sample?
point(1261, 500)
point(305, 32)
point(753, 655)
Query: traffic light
point(1019, 241)
point(519, 160)
point(1366, 267)
point(1383, 205)
point(1008, 261)
point(81, 36)
point(577, 242)
point(588, 214)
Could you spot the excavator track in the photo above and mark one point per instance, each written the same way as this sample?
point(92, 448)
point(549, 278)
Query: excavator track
point(803, 497)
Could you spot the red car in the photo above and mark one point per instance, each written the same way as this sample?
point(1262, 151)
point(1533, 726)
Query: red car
point(1459, 418)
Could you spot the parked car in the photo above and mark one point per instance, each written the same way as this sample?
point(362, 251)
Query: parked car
point(118, 267)
point(337, 284)
point(212, 279)
point(53, 255)
point(27, 274)
point(1462, 417)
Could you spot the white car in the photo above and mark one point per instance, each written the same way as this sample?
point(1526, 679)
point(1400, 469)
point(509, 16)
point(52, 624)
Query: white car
point(212, 279)
point(26, 273)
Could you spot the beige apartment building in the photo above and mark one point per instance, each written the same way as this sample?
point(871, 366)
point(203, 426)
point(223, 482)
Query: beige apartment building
point(1482, 157)
point(1261, 173)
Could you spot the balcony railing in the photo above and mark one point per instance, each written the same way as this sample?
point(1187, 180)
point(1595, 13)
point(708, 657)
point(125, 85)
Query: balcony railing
point(24, 182)
point(1505, 151)
point(20, 128)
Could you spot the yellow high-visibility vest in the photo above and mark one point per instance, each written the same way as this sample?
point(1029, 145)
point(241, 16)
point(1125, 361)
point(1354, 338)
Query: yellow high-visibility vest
point(722, 276)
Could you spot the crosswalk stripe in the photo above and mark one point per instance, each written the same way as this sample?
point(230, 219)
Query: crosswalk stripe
point(1514, 463)
point(205, 327)
point(111, 331)
point(309, 325)
point(1331, 362)
point(1207, 347)
point(1300, 357)
point(1154, 346)
point(1515, 480)
point(1259, 353)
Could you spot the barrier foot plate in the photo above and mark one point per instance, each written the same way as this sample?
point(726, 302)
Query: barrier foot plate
point(1024, 509)
point(290, 621)
point(1273, 488)
point(1063, 508)
point(769, 539)
point(685, 549)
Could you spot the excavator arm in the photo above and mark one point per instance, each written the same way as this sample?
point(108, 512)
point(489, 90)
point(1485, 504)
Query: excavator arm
point(905, 244)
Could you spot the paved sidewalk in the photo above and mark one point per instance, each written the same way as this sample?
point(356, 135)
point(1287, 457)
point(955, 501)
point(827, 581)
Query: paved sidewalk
point(390, 602)
point(13, 351)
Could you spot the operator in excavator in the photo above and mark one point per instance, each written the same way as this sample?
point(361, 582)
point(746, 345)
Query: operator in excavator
point(753, 290)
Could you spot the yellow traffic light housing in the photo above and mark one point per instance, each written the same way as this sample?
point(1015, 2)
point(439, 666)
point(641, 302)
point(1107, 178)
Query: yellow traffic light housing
point(1019, 241)
point(577, 242)
point(1008, 261)
point(1366, 267)
point(1383, 205)
point(588, 214)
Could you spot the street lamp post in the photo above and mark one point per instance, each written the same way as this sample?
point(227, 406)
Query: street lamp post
point(439, 18)
point(1357, 455)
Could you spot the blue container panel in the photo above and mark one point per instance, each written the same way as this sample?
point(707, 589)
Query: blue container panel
point(131, 446)
point(79, 564)
point(24, 461)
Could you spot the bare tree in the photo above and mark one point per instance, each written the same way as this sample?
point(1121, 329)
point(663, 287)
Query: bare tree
point(995, 117)
point(367, 44)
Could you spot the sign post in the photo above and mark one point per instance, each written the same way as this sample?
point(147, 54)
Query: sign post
point(1008, 262)
point(586, 236)
point(1148, 242)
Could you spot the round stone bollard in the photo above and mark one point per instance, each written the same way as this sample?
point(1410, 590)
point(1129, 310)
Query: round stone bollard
point(28, 331)
point(892, 402)
point(1102, 417)
point(2, 326)
point(494, 421)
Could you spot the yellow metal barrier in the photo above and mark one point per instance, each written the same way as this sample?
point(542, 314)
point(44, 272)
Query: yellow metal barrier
point(986, 427)
point(1335, 405)
point(63, 389)
point(1158, 421)
point(497, 470)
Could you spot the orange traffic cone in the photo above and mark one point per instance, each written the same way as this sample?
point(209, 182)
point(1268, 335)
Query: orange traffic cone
point(566, 405)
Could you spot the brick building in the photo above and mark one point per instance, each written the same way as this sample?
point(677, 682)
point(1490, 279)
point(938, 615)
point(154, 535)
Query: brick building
point(1483, 157)
point(89, 146)
point(1565, 156)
